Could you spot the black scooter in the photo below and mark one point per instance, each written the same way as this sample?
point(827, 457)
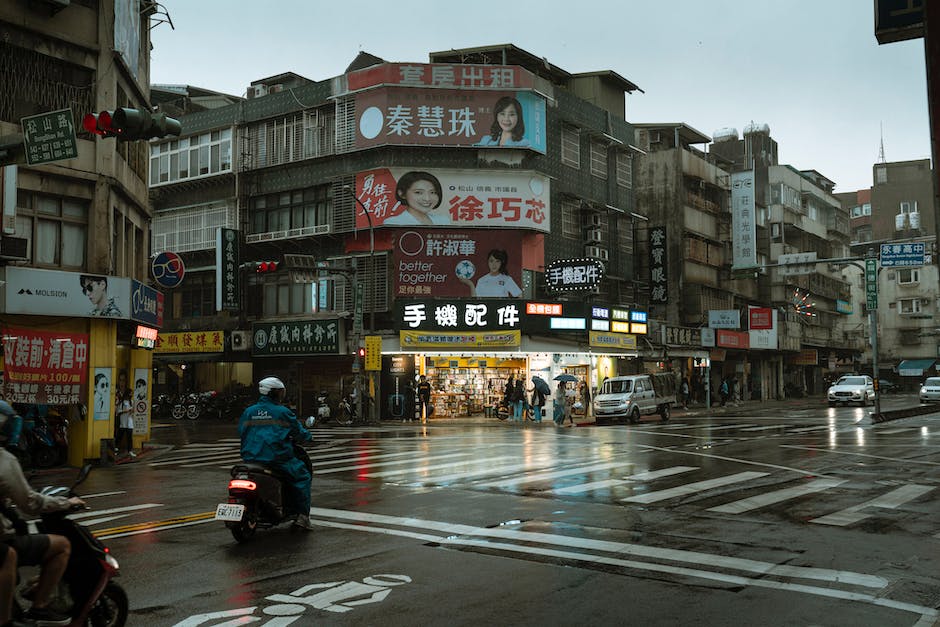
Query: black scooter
point(86, 591)
point(257, 496)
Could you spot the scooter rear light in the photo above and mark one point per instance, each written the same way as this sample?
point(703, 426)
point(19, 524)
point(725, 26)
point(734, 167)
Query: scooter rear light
point(241, 484)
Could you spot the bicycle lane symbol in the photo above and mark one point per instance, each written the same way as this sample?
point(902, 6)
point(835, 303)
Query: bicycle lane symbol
point(333, 596)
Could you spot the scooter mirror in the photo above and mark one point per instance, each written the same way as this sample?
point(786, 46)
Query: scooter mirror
point(310, 421)
point(82, 475)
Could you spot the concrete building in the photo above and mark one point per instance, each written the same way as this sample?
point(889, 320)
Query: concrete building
point(76, 214)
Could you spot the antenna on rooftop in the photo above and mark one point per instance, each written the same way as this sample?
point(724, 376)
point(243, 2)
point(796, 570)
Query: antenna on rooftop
point(881, 148)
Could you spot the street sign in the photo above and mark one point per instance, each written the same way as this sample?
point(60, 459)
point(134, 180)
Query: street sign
point(357, 315)
point(902, 254)
point(49, 137)
point(871, 284)
point(797, 263)
point(373, 352)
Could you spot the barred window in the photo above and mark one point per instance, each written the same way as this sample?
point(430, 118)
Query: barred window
point(56, 229)
point(570, 209)
point(909, 306)
point(625, 169)
point(298, 209)
point(599, 159)
point(191, 157)
point(197, 295)
point(571, 146)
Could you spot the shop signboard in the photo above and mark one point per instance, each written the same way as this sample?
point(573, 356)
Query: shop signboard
point(743, 223)
point(146, 304)
point(227, 263)
point(760, 318)
point(457, 263)
point(454, 75)
point(457, 314)
point(464, 339)
point(659, 278)
point(295, 337)
point(449, 117)
point(681, 336)
point(616, 341)
point(42, 367)
point(737, 340)
point(708, 337)
point(453, 198)
point(724, 319)
point(806, 357)
point(550, 317)
point(72, 294)
point(168, 269)
point(573, 275)
point(763, 328)
point(190, 342)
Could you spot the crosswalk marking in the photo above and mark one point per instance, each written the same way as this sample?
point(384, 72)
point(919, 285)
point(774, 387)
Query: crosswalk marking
point(535, 463)
point(730, 427)
point(808, 429)
point(767, 428)
point(777, 496)
point(900, 430)
point(421, 469)
point(692, 488)
point(606, 483)
point(891, 500)
point(368, 463)
point(544, 476)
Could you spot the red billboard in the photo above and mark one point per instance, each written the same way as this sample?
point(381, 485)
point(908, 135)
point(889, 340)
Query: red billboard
point(44, 368)
point(452, 263)
point(760, 318)
point(453, 198)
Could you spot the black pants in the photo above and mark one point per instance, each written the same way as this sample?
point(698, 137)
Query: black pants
point(424, 407)
point(125, 439)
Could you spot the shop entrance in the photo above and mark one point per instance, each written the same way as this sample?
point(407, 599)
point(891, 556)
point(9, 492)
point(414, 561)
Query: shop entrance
point(468, 386)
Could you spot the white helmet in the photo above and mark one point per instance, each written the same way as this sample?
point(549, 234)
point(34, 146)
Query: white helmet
point(268, 384)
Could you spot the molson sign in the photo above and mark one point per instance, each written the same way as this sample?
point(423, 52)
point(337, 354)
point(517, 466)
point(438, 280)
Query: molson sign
point(450, 117)
point(453, 198)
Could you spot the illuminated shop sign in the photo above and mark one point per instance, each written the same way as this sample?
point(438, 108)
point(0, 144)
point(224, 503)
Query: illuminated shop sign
point(570, 275)
point(145, 337)
point(457, 315)
point(295, 337)
point(659, 292)
point(542, 318)
point(543, 309)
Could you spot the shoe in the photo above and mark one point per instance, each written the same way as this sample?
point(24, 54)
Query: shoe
point(132, 454)
point(302, 522)
point(44, 616)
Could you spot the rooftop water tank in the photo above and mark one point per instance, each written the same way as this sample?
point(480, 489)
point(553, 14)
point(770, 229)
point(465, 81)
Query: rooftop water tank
point(914, 217)
point(899, 222)
point(725, 135)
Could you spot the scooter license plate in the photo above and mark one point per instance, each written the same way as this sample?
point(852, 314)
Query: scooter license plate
point(229, 511)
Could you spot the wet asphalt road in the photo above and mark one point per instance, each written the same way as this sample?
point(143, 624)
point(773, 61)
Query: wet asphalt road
point(763, 514)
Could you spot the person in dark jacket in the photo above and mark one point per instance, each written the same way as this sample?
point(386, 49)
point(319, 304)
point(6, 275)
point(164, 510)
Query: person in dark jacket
point(538, 402)
point(268, 431)
point(517, 398)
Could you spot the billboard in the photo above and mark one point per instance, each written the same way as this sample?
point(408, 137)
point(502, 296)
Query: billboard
point(55, 293)
point(44, 367)
point(743, 221)
point(453, 198)
point(450, 117)
point(468, 263)
point(442, 75)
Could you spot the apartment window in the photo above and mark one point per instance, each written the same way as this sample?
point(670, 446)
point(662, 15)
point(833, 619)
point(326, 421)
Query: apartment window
point(296, 209)
point(908, 207)
point(599, 159)
point(881, 175)
point(287, 298)
point(197, 295)
point(56, 229)
point(625, 169)
point(862, 234)
point(909, 306)
point(866, 209)
point(191, 157)
point(571, 146)
point(908, 276)
point(570, 209)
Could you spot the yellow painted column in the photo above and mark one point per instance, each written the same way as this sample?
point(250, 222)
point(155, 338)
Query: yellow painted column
point(141, 363)
point(85, 437)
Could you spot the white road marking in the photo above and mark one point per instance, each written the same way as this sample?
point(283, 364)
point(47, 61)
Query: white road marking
point(777, 496)
point(827, 450)
point(692, 488)
point(901, 430)
point(892, 500)
point(731, 427)
point(808, 429)
point(588, 487)
point(417, 469)
point(545, 476)
point(100, 494)
point(640, 476)
point(113, 510)
point(656, 474)
point(367, 463)
point(767, 428)
point(739, 460)
point(535, 463)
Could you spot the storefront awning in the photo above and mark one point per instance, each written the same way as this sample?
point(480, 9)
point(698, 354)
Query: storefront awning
point(915, 367)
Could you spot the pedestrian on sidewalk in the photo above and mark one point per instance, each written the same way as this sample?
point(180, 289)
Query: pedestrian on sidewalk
point(724, 391)
point(571, 397)
point(685, 393)
point(559, 404)
point(518, 400)
point(538, 402)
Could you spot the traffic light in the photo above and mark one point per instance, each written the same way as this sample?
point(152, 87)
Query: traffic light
point(99, 124)
point(131, 124)
point(362, 353)
point(263, 267)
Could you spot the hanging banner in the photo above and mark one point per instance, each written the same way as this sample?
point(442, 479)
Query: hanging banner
point(44, 368)
point(487, 339)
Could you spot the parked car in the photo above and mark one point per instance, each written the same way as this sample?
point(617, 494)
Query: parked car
point(888, 387)
point(852, 389)
point(629, 397)
point(930, 390)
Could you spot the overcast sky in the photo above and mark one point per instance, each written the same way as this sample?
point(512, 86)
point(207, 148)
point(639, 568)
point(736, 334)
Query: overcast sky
point(810, 69)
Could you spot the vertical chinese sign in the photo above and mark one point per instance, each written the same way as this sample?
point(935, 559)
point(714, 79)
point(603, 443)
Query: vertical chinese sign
point(659, 292)
point(226, 270)
point(44, 368)
point(743, 225)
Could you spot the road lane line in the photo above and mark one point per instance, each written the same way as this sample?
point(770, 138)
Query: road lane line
point(892, 500)
point(658, 474)
point(808, 429)
point(157, 525)
point(767, 428)
point(421, 469)
point(692, 488)
point(114, 510)
point(739, 460)
point(731, 427)
point(891, 459)
point(367, 463)
point(536, 463)
point(777, 496)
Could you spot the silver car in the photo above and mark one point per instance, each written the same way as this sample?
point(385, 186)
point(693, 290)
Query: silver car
point(930, 390)
point(852, 389)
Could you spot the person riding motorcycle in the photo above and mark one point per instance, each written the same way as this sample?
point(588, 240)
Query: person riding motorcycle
point(48, 551)
point(268, 432)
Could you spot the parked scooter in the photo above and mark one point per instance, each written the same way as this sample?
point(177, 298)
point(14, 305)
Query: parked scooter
point(257, 496)
point(87, 591)
point(323, 407)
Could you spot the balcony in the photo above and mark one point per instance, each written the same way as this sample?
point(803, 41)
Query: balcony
point(271, 236)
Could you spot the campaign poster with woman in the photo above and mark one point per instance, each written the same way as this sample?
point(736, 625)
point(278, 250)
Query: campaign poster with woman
point(455, 198)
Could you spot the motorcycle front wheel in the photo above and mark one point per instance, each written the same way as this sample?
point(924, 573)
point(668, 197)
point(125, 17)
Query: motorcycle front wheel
point(178, 411)
point(110, 610)
point(193, 411)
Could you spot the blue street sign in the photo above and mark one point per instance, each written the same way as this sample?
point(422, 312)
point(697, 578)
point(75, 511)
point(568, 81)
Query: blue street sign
point(902, 254)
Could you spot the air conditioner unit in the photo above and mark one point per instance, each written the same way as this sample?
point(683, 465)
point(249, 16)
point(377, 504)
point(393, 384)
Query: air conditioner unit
point(591, 220)
point(595, 236)
point(256, 91)
point(924, 301)
point(595, 252)
point(240, 340)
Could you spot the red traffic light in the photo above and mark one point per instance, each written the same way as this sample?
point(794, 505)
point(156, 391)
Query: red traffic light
point(362, 353)
point(99, 124)
point(262, 267)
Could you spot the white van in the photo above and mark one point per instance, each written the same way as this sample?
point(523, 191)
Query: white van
point(629, 397)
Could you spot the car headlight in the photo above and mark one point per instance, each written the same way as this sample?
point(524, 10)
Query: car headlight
point(923, 390)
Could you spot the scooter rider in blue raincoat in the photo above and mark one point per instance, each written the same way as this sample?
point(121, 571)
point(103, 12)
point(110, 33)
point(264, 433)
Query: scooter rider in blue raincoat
point(268, 430)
